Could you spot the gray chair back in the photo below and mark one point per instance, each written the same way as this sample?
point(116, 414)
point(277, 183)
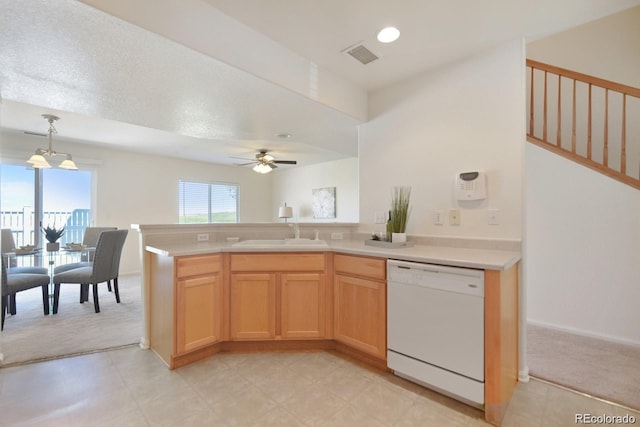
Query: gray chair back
point(91, 235)
point(4, 278)
point(105, 253)
point(7, 243)
point(115, 264)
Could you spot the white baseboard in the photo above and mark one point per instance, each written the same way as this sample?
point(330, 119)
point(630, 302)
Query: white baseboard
point(585, 333)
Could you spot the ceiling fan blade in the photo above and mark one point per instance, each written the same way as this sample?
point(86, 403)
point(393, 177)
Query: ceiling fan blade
point(245, 164)
point(286, 162)
point(241, 158)
point(28, 132)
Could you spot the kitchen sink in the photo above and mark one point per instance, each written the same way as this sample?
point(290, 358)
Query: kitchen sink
point(279, 243)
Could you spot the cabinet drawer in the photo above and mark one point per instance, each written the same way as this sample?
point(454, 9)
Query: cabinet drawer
point(275, 262)
point(197, 265)
point(374, 268)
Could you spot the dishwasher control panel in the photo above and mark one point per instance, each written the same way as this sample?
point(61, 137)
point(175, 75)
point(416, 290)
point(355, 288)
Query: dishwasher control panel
point(452, 279)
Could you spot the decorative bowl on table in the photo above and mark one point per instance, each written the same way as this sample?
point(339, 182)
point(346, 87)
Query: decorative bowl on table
point(75, 246)
point(26, 249)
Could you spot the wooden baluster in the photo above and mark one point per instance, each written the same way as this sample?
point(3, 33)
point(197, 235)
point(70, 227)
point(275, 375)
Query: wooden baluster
point(623, 137)
point(544, 110)
point(605, 148)
point(589, 126)
point(559, 121)
point(573, 118)
point(531, 104)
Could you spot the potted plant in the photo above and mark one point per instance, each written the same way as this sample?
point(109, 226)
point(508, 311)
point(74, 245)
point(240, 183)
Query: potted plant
point(52, 235)
point(400, 211)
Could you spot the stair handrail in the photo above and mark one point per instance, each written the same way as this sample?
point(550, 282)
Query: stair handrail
point(608, 86)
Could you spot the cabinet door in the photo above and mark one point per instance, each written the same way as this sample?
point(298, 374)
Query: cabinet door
point(361, 314)
point(302, 305)
point(253, 306)
point(198, 312)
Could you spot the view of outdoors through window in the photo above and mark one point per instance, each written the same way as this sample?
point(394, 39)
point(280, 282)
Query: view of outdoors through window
point(207, 202)
point(66, 202)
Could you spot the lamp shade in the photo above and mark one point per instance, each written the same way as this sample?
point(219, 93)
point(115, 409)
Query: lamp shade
point(285, 212)
point(262, 168)
point(68, 163)
point(38, 161)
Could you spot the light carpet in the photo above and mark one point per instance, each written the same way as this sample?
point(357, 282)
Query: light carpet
point(30, 336)
point(600, 368)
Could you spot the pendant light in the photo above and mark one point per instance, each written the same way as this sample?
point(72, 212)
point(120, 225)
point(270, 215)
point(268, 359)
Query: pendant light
point(39, 161)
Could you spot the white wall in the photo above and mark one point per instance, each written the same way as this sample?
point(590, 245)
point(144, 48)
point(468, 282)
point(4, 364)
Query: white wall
point(294, 187)
point(608, 48)
point(132, 188)
point(583, 243)
point(467, 116)
point(583, 234)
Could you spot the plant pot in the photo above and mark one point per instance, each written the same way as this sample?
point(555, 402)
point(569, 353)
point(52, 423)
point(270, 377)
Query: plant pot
point(53, 247)
point(399, 237)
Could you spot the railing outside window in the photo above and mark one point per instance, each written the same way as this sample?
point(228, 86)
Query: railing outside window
point(21, 222)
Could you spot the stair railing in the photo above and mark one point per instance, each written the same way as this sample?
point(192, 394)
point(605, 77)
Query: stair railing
point(589, 120)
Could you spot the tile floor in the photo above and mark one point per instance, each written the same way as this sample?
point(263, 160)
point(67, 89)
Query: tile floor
point(132, 387)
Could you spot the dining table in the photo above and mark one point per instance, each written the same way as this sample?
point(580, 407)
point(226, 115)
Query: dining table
point(36, 257)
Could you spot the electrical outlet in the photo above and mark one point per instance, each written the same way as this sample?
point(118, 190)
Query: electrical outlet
point(204, 237)
point(454, 216)
point(380, 217)
point(437, 218)
point(493, 216)
point(336, 236)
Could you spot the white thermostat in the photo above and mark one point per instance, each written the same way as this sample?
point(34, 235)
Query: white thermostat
point(471, 186)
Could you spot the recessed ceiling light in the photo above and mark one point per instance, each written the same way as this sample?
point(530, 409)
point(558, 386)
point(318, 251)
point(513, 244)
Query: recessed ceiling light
point(388, 35)
point(283, 135)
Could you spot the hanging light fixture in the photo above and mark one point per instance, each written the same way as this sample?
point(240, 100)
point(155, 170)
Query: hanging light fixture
point(39, 161)
point(262, 168)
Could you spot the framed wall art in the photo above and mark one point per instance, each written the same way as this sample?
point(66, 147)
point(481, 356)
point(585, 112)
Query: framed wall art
point(323, 202)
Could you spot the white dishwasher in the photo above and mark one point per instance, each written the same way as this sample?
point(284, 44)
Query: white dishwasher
point(435, 327)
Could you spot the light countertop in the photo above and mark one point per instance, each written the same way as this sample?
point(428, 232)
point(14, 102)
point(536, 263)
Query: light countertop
point(486, 259)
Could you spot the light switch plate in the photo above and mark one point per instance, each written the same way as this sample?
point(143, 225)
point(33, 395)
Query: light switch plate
point(437, 218)
point(454, 216)
point(493, 216)
point(380, 217)
point(203, 237)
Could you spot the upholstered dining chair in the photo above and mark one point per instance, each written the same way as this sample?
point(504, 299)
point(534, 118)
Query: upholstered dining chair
point(9, 246)
point(90, 240)
point(115, 269)
point(99, 271)
point(14, 283)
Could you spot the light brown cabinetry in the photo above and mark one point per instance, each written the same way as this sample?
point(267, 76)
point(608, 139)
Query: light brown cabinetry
point(360, 303)
point(198, 302)
point(185, 304)
point(253, 306)
point(277, 296)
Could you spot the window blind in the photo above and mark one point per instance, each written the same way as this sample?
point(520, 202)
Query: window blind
point(204, 202)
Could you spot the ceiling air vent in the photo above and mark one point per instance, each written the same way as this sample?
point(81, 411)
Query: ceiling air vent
point(362, 54)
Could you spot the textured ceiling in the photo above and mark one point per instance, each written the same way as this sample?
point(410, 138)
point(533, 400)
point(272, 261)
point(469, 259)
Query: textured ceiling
point(114, 83)
point(117, 84)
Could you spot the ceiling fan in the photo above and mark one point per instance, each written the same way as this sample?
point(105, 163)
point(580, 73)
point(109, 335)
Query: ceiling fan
point(265, 163)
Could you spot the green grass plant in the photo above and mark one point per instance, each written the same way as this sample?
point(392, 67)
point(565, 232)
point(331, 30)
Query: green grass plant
point(400, 209)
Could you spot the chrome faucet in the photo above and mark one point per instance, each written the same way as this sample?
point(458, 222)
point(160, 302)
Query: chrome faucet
point(296, 230)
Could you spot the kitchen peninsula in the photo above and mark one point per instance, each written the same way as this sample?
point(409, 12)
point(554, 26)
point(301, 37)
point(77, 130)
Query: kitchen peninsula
point(204, 294)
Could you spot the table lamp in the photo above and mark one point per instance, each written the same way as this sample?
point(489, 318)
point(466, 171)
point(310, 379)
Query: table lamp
point(285, 212)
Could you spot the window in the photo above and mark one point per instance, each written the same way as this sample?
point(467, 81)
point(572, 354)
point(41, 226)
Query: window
point(49, 197)
point(207, 202)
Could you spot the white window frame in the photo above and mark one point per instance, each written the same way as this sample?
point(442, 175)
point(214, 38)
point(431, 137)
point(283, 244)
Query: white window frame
point(209, 213)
